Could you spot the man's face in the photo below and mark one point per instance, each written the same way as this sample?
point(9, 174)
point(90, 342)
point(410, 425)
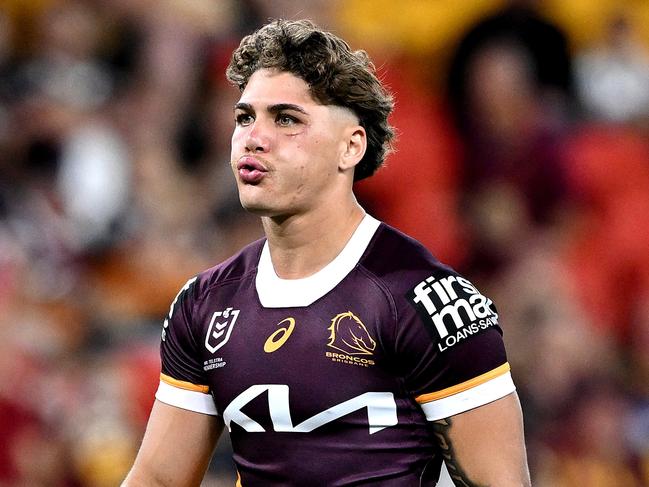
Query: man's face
point(286, 147)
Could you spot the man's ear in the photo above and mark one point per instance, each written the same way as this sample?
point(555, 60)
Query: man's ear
point(355, 145)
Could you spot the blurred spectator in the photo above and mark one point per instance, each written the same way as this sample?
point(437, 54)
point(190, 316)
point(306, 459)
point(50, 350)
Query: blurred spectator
point(637, 423)
point(541, 44)
point(509, 84)
point(612, 78)
point(591, 448)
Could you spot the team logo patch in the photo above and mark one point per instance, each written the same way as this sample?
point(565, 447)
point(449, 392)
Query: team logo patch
point(453, 309)
point(220, 328)
point(349, 335)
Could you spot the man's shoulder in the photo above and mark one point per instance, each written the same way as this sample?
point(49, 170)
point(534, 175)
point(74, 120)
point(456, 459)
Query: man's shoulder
point(237, 267)
point(398, 259)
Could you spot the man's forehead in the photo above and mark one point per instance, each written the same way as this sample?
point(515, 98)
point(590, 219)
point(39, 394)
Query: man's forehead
point(271, 87)
point(266, 85)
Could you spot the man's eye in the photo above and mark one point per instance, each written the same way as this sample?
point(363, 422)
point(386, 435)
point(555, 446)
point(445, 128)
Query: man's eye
point(285, 120)
point(243, 119)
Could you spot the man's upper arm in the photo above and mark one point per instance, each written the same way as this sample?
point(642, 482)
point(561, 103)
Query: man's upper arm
point(485, 446)
point(450, 343)
point(176, 448)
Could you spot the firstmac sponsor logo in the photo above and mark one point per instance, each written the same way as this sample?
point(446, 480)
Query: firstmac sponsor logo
point(454, 307)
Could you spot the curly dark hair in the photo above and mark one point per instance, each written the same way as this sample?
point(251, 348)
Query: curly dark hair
point(336, 75)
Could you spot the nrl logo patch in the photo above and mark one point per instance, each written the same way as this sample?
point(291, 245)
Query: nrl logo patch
point(220, 328)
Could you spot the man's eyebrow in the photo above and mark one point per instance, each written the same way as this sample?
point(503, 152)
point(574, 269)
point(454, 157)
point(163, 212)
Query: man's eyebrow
point(276, 108)
point(279, 107)
point(246, 107)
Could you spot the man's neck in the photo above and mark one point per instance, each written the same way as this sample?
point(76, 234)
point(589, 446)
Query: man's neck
point(303, 244)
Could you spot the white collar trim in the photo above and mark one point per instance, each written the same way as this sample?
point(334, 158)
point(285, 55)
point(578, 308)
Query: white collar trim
point(275, 292)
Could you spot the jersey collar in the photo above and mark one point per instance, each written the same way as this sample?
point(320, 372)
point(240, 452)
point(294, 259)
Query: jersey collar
point(275, 292)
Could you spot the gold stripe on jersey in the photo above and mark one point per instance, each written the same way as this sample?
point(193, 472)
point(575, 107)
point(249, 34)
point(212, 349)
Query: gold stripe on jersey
point(188, 386)
point(464, 386)
point(238, 484)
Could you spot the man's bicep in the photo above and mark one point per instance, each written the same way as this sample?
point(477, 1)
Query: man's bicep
point(485, 446)
point(176, 448)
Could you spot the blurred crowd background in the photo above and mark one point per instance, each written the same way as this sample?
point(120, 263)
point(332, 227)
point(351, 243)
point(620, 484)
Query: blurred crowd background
point(522, 161)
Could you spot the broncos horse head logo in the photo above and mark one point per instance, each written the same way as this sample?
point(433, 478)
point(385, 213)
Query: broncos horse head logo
point(349, 335)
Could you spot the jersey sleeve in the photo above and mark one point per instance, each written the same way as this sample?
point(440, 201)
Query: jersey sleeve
point(449, 341)
point(181, 379)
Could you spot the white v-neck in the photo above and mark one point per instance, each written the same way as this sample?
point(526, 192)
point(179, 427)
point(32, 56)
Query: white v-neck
point(275, 292)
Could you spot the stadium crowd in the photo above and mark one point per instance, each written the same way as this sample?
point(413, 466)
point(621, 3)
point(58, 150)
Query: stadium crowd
point(522, 160)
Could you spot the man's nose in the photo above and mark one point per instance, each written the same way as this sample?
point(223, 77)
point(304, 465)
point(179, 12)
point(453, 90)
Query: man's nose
point(258, 139)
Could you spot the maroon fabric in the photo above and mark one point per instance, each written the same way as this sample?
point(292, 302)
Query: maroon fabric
point(399, 354)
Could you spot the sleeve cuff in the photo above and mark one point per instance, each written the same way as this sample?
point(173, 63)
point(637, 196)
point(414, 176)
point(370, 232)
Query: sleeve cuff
point(468, 398)
point(199, 402)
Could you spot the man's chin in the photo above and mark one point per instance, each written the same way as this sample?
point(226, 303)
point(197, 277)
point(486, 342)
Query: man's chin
point(257, 208)
point(267, 211)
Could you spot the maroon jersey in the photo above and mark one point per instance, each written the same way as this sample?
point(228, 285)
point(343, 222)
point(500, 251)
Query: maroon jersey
point(333, 379)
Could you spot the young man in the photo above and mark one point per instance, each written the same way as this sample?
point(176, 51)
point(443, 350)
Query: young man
point(337, 351)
